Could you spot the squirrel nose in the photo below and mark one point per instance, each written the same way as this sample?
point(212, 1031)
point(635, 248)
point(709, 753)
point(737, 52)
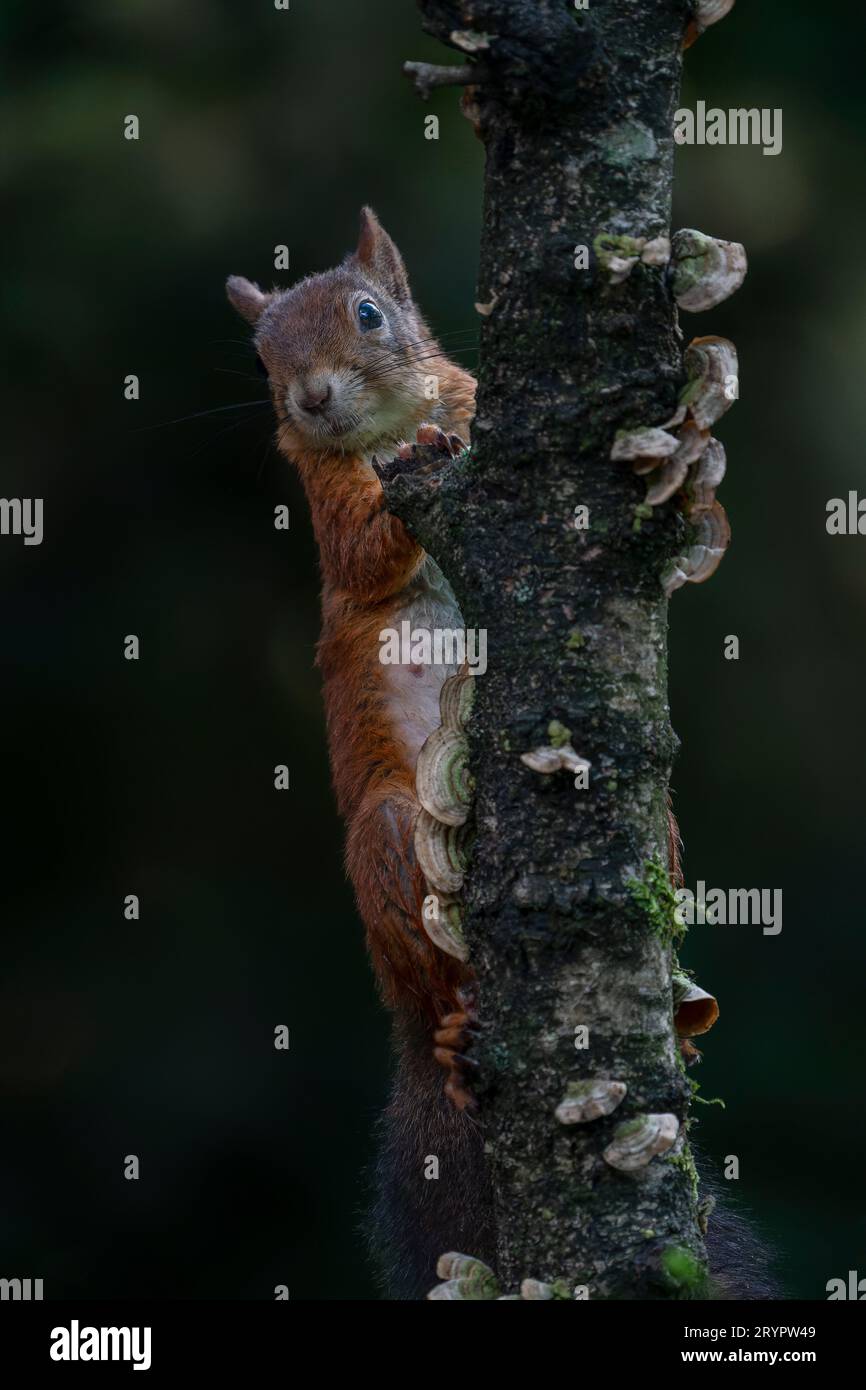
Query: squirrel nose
point(315, 398)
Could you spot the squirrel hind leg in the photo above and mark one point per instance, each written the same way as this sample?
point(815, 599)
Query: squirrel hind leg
point(451, 1040)
point(421, 1207)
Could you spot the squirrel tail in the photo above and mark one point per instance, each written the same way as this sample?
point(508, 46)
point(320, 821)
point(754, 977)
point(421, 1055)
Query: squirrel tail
point(741, 1264)
point(431, 1190)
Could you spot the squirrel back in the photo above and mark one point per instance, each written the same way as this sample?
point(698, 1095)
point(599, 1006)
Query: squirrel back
point(354, 373)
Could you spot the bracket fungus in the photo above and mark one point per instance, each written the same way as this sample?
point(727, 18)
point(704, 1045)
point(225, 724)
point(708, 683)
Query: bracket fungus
point(585, 1101)
point(668, 479)
point(681, 457)
point(534, 1290)
point(706, 271)
point(440, 850)
point(707, 12)
point(692, 442)
point(442, 778)
point(444, 788)
point(455, 700)
point(637, 1141)
point(649, 445)
point(464, 1278)
point(695, 1011)
point(548, 759)
point(657, 251)
point(654, 450)
point(702, 559)
point(618, 255)
point(713, 383)
point(471, 42)
point(706, 478)
point(443, 923)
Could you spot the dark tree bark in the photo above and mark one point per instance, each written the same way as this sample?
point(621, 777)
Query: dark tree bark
point(568, 905)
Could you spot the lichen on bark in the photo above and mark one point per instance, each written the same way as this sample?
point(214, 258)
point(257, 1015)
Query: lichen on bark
point(576, 113)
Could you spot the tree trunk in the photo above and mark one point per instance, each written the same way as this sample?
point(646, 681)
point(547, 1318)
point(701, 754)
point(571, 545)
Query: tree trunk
point(568, 904)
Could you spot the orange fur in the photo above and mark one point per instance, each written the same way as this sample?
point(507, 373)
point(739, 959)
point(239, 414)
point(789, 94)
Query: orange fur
point(310, 340)
point(367, 560)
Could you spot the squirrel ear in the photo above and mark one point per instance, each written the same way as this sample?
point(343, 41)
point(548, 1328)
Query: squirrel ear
point(380, 258)
point(246, 297)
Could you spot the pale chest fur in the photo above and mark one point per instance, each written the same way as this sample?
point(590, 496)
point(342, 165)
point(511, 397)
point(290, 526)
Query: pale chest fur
point(412, 688)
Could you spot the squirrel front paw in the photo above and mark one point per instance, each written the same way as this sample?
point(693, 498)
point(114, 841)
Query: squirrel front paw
point(419, 457)
point(431, 435)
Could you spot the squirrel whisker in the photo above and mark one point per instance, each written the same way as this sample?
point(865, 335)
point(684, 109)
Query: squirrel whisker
point(200, 414)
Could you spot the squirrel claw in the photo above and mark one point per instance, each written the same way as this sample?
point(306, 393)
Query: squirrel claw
point(450, 444)
point(455, 1034)
point(465, 1063)
point(459, 1096)
point(427, 437)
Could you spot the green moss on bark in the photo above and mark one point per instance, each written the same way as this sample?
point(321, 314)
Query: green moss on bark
point(655, 898)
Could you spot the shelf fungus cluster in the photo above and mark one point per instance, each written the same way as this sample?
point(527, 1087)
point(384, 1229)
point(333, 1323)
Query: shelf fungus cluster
point(702, 270)
point(618, 255)
point(444, 787)
point(680, 458)
point(465, 1278)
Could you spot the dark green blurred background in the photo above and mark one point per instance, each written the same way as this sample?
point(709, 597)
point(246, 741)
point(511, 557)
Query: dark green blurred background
point(155, 1038)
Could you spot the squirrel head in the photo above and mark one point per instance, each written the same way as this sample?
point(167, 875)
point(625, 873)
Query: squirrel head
point(346, 353)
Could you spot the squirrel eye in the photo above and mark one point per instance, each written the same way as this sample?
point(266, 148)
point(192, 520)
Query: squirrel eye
point(369, 316)
point(260, 367)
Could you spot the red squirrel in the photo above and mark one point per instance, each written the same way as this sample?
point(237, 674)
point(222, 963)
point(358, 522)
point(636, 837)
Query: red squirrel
point(349, 359)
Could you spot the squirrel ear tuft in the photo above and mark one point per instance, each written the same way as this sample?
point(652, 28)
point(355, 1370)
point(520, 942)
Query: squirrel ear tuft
point(246, 297)
point(378, 255)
